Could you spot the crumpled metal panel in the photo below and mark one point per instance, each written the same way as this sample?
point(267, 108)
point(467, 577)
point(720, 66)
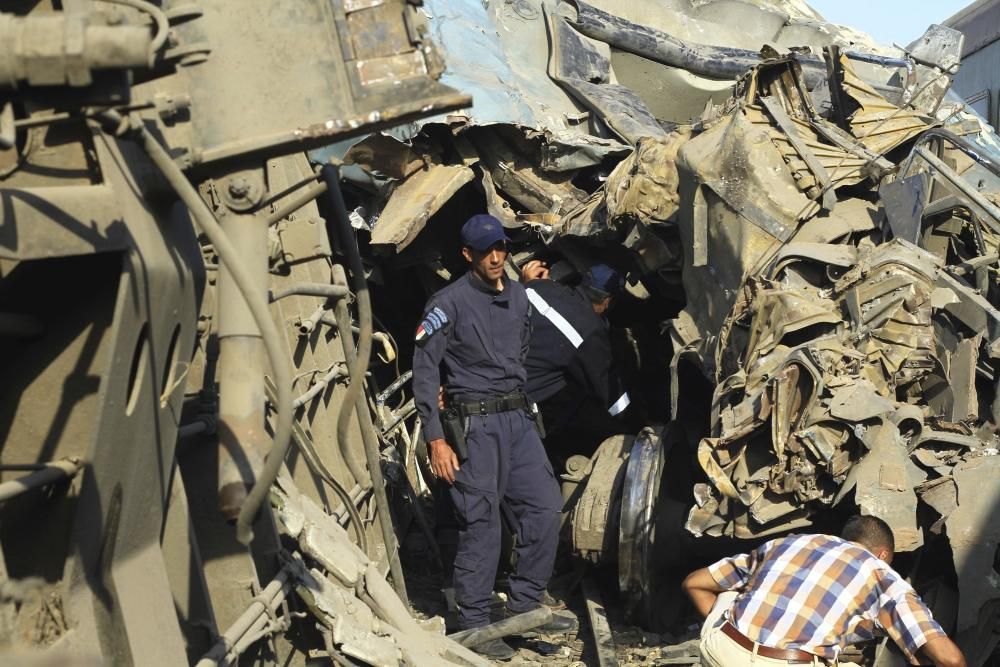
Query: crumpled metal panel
point(370, 66)
point(415, 201)
point(642, 188)
point(821, 397)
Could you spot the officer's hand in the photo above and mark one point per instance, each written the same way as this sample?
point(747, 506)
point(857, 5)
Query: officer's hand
point(444, 462)
point(441, 405)
point(534, 270)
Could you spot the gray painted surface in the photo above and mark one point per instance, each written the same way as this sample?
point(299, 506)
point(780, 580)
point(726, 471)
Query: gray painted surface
point(978, 80)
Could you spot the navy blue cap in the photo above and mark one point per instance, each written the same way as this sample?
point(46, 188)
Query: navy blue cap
point(602, 277)
point(482, 231)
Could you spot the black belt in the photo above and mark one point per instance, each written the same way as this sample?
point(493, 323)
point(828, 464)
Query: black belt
point(491, 406)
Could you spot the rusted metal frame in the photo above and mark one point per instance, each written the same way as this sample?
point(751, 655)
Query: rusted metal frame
point(992, 217)
point(604, 640)
point(271, 339)
point(513, 625)
point(48, 474)
point(815, 166)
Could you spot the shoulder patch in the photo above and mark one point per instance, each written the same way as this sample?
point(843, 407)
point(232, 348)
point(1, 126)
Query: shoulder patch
point(433, 321)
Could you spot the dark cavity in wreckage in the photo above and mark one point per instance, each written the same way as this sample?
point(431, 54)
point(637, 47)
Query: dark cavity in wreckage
point(219, 224)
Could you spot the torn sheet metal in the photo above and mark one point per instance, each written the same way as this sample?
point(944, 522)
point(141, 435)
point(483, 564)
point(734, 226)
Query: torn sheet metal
point(586, 74)
point(877, 123)
point(415, 201)
point(642, 189)
point(715, 62)
point(498, 54)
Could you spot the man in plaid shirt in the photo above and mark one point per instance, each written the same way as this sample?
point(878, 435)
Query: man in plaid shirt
point(802, 599)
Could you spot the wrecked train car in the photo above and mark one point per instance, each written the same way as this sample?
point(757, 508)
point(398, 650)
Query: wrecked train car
point(808, 221)
point(189, 475)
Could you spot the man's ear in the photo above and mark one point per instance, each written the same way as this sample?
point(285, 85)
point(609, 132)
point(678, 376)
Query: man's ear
point(467, 254)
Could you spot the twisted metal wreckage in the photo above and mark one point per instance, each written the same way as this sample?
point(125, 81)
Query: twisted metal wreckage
point(820, 244)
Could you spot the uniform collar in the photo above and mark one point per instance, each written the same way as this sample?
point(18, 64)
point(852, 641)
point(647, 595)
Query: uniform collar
point(478, 284)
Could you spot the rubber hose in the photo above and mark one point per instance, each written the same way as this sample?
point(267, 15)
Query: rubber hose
point(357, 370)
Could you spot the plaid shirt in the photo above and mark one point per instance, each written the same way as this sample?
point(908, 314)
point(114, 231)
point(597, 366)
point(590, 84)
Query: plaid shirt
point(818, 593)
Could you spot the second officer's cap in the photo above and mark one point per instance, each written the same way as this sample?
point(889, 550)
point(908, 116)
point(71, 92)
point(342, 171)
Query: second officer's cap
point(603, 278)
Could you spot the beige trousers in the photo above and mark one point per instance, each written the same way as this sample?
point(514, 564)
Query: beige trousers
point(718, 650)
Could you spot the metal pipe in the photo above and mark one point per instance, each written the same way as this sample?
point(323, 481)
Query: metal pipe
point(229, 646)
point(258, 308)
point(312, 289)
point(203, 424)
point(335, 373)
point(380, 337)
point(968, 148)
point(52, 472)
point(242, 366)
point(369, 440)
point(300, 200)
point(318, 468)
point(713, 62)
point(349, 246)
point(308, 324)
point(513, 625)
point(396, 385)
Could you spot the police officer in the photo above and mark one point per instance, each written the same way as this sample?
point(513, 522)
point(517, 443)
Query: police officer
point(473, 340)
point(570, 367)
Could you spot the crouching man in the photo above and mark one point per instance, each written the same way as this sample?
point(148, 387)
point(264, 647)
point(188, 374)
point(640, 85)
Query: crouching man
point(802, 599)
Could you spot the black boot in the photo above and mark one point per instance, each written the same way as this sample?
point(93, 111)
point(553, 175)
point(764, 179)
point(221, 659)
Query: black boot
point(495, 649)
point(561, 623)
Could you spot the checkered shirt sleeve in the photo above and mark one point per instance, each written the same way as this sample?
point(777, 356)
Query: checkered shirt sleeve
point(733, 573)
point(904, 616)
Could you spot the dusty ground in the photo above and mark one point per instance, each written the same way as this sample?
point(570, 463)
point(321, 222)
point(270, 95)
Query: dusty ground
point(634, 645)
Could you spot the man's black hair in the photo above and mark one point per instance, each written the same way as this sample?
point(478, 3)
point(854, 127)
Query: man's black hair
point(870, 531)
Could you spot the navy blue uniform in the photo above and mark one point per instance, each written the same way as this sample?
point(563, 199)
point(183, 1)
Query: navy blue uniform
point(569, 358)
point(473, 340)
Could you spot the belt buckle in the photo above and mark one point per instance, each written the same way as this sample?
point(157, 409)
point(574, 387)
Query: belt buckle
point(482, 407)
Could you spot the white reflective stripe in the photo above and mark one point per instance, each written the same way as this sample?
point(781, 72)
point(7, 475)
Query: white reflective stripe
point(622, 403)
point(552, 315)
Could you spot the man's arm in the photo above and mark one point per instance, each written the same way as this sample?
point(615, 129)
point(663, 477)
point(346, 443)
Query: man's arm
point(909, 623)
point(703, 590)
point(943, 652)
point(430, 343)
point(729, 574)
point(534, 270)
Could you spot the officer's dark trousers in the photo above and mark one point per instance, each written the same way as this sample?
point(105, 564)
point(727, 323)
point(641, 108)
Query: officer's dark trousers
point(506, 462)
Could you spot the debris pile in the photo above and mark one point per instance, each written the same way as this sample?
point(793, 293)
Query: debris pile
point(819, 238)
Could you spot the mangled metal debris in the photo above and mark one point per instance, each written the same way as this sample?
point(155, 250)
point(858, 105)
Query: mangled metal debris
point(809, 224)
point(819, 227)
